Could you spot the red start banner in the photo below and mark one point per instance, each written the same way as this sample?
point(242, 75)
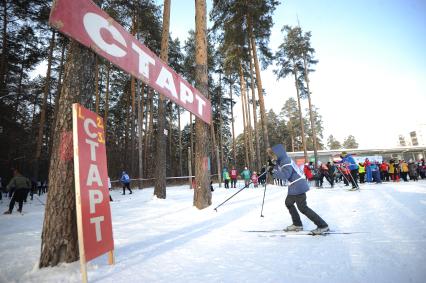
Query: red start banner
point(91, 182)
point(85, 22)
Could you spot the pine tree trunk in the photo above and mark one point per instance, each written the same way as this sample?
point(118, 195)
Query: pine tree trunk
point(132, 158)
point(311, 117)
point(44, 107)
point(3, 63)
point(180, 143)
point(234, 148)
point(59, 236)
point(106, 107)
point(19, 92)
point(260, 93)
point(220, 122)
point(250, 133)
point(140, 141)
point(171, 173)
point(214, 153)
point(291, 135)
point(202, 193)
point(243, 105)
point(160, 162)
point(97, 85)
point(191, 139)
point(58, 92)
point(302, 126)
point(149, 126)
point(256, 132)
point(124, 161)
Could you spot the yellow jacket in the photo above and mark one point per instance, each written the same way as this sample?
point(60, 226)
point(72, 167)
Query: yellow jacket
point(404, 167)
point(391, 168)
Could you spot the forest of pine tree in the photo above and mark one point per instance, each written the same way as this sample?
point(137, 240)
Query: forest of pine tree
point(236, 54)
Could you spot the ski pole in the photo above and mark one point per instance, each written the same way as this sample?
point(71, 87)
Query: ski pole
point(246, 186)
point(263, 201)
point(343, 174)
point(354, 181)
point(39, 199)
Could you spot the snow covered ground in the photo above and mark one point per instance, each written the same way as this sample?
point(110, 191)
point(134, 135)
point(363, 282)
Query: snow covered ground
point(172, 241)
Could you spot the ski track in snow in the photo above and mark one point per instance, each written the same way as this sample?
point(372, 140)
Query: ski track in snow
point(172, 241)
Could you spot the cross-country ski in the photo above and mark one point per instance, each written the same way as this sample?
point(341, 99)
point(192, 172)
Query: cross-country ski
point(301, 233)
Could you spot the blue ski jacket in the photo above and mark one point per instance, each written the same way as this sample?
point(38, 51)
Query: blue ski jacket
point(125, 179)
point(285, 169)
point(348, 159)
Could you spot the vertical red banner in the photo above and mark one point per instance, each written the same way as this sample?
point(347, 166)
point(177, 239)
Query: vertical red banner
point(91, 184)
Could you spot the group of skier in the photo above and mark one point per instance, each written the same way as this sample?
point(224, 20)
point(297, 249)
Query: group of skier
point(346, 169)
point(247, 176)
point(284, 169)
point(352, 173)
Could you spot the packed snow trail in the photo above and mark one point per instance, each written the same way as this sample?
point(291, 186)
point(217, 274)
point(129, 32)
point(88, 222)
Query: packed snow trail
point(172, 241)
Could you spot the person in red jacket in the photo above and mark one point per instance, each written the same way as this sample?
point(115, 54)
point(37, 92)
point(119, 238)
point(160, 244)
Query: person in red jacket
point(384, 171)
point(234, 175)
point(308, 172)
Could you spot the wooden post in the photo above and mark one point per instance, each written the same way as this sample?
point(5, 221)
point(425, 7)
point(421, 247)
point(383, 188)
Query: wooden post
point(83, 268)
point(111, 259)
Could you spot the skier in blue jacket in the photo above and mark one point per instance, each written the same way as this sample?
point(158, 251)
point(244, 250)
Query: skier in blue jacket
point(353, 167)
point(285, 169)
point(125, 180)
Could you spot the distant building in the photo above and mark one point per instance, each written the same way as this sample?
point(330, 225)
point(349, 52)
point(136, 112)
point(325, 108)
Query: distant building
point(416, 137)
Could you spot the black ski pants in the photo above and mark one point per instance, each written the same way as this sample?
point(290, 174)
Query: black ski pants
point(226, 184)
point(19, 195)
point(354, 178)
point(362, 177)
point(327, 177)
point(300, 201)
point(126, 185)
point(233, 183)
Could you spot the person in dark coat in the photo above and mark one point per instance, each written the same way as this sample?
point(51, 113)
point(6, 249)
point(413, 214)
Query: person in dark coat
point(412, 170)
point(324, 173)
point(22, 186)
point(262, 176)
point(286, 169)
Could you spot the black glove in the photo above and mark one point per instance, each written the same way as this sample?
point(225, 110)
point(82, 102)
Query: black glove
point(271, 165)
point(272, 162)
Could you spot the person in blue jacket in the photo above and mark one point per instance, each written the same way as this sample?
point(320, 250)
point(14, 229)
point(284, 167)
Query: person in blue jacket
point(125, 180)
point(286, 169)
point(353, 167)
